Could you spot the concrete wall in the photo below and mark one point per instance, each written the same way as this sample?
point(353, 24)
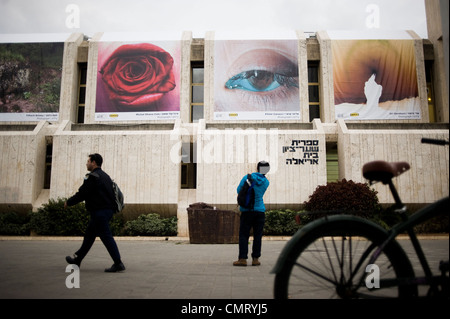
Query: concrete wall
point(141, 162)
point(225, 155)
point(428, 177)
point(437, 25)
point(22, 164)
point(69, 79)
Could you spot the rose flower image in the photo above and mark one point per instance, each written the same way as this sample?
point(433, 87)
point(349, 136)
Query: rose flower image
point(136, 77)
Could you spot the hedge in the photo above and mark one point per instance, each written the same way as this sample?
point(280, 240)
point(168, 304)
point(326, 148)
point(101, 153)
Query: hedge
point(53, 220)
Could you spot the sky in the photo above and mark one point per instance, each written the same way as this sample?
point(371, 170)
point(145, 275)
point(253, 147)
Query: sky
point(199, 16)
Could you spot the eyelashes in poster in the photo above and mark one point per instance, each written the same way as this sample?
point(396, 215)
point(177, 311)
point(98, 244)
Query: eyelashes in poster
point(375, 79)
point(138, 81)
point(256, 80)
point(30, 81)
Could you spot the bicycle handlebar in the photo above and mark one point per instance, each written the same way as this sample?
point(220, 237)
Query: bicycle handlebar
point(434, 141)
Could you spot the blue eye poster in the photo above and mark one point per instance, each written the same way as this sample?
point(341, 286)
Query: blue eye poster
point(256, 79)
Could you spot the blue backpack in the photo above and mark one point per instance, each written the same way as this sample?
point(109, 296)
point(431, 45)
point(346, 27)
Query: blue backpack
point(246, 196)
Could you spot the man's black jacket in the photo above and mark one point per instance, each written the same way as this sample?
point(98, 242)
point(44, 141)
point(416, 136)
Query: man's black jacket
point(96, 192)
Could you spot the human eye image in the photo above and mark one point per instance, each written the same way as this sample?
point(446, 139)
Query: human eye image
point(256, 76)
point(261, 81)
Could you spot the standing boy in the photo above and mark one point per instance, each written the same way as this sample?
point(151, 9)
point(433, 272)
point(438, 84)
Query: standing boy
point(253, 218)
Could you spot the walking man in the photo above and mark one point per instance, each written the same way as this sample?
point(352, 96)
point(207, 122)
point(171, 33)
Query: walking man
point(98, 195)
point(254, 218)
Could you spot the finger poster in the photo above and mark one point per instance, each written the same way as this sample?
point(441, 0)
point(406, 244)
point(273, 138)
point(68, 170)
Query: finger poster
point(375, 79)
point(256, 79)
point(138, 81)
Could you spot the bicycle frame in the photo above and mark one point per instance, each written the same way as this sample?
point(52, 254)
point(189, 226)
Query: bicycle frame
point(437, 208)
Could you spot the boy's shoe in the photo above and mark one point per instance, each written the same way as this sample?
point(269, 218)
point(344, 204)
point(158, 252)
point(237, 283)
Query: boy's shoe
point(116, 267)
point(240, 262)
point(255, 262)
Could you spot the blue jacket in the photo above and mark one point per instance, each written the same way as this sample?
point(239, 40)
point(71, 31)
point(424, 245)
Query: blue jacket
point(261, 184)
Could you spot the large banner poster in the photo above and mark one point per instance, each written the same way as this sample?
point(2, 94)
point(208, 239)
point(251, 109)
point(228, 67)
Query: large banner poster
point(30, 81)
point(375, 79)
point(256, 79)
point(138, 81)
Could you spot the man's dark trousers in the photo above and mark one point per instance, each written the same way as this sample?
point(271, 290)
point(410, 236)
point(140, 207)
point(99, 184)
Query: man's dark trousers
point(99, 226)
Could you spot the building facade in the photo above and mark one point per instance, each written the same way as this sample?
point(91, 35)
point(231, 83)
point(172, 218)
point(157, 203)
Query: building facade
point(193, 134)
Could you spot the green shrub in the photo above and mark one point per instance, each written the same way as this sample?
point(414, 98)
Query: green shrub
point(438, 224)
point(305, 217)
point(14, 224)
point(53, 220)
point(151, 225)
point(280, 223)
point(117, 224)
point(344, 197)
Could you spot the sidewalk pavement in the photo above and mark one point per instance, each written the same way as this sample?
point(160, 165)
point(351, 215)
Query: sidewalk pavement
point(161, 268)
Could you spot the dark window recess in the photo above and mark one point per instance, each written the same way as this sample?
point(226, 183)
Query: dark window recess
point(197, 91)
point(48, 166)
point(188, 165)
point(313, 90)
point(81, 102)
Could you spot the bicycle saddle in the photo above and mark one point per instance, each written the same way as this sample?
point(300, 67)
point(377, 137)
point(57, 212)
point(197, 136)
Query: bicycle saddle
point(381, 171)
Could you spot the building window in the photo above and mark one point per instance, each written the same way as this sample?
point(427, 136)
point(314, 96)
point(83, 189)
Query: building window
point(188, 165)
point(430, 90)
point(313, 90)
point(332, 162)
point(197, 89)
point(81, 102)
point(48, 164)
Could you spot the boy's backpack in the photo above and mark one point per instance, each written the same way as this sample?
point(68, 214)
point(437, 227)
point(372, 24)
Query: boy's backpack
point(246, 196)
point(118, 197)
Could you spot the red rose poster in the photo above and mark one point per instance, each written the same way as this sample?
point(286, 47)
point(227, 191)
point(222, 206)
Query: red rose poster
point(138, 81)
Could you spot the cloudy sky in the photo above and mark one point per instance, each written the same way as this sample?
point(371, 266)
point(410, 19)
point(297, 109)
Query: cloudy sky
point(199, 16)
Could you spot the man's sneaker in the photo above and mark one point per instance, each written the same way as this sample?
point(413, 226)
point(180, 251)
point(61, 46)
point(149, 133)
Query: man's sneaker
point(73, 260)
point(116, 268)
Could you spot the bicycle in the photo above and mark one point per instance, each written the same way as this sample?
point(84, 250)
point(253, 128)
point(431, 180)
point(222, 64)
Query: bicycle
point(346, 256)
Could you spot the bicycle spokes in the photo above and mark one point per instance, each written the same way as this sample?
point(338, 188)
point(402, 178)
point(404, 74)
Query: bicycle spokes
point(333, 266)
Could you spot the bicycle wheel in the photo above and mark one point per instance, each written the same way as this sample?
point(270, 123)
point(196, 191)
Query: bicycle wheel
point(328, 258)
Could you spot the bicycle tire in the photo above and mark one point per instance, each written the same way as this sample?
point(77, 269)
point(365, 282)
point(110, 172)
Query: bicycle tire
point(301, 267)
